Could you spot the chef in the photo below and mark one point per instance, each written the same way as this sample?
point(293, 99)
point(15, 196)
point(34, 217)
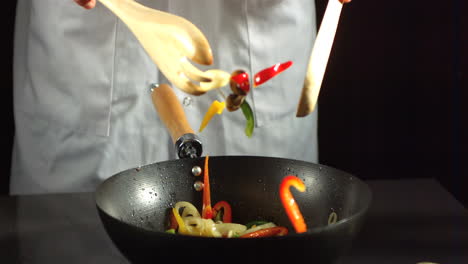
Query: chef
point(82, 102)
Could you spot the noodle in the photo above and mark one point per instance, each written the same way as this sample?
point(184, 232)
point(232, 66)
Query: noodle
point(189, 209)
point(197, 226)
point(332, 218)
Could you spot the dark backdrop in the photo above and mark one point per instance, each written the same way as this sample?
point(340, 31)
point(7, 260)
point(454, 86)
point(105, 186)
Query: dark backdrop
point(391, 101)
point(6, 115)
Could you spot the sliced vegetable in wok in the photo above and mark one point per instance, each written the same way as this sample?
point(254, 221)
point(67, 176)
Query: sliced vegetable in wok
point(255, 223)
point(222, 212)
point(216, 221)
point(267, 232)
point(289, 203)
point(207, 212)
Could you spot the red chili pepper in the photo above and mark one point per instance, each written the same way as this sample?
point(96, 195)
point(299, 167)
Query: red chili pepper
point(267, 232)
point(268, 73)
point(207, 212)
point(289, 203)
point(242, 80)
point(227, 213)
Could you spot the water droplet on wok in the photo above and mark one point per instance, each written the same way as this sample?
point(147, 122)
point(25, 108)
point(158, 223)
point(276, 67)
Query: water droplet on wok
point(196, 171)
point(198, 185)
point(133, 212)
point(259, 180)
point(142, 189)
point(187, 101)
point(155, 194)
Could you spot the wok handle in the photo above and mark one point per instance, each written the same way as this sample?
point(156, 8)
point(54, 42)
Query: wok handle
point(171, 113)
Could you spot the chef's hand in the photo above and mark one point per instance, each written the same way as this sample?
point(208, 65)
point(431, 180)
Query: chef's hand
point(87, 4)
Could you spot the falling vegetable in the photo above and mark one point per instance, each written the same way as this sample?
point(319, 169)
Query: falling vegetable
point(289, 203)
point(215, 108)
point(234, 102)
point(268, 73)
point(250, 122)
point(239, 83)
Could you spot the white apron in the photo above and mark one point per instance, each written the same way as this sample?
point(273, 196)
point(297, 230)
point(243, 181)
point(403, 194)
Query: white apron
point(82, 103)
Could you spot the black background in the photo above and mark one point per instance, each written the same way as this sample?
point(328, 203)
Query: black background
point(392, 100)
point(6, 117)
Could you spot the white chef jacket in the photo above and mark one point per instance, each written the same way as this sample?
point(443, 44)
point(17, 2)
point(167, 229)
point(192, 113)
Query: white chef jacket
point(82, 103)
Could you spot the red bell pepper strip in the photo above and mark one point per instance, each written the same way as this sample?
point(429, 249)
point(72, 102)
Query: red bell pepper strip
point(227, 213)
point(207, 212)
point(289, 203)
point(268, 73)
point(267, 232)
point(242, 80)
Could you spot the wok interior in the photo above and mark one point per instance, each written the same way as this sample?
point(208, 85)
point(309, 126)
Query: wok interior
point(142, 196)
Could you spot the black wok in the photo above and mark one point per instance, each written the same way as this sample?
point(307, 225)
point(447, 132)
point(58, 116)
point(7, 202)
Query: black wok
point(134, 205)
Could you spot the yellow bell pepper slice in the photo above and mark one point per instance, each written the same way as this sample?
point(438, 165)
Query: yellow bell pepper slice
point(215, 108)
point(180, 222)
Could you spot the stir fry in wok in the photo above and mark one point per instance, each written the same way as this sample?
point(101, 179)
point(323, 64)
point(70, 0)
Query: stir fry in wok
point(216, 221)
